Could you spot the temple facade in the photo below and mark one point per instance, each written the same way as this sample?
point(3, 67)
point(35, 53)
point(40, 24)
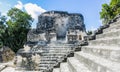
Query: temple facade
point(58, 25)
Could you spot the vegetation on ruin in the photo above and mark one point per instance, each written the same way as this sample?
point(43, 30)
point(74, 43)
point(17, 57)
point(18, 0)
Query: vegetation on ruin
point(89, 32)
point(14, 29)
point(109, 11)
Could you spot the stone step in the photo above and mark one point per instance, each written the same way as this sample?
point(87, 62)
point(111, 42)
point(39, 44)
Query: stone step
point(110, 41)
point(2, 68)
point(45, 62)
point(109, 52)
point(42, 59)
point(52, 50)
point(48, 61)
point(75, 66)
point(51, 57)
point(62, 46)
point(113, 33)
point(58, 52)
point(53, 54)
point(41, 69)
point(47, 65)
point(9, 69)
point(115, 23)
point(97, 64)
point(112, 27)
point(64, 55)
point(57, 59)
point(64, 67)
point(56, 70)
point(58, 47)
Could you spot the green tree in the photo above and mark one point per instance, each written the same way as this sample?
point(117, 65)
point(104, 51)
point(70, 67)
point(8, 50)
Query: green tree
point(115, 5)
point(106, 14)
point(17, 27)
point(109, 11)
point(2, 29)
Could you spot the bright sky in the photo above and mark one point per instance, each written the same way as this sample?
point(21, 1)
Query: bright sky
point(88, 8)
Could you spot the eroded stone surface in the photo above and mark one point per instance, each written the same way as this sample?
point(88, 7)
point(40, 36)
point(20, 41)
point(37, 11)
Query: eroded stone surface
point(53, 25)
point(6, 54)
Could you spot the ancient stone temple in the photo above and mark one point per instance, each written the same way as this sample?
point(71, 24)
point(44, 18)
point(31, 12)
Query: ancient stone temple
point(52, 40)
point(53, 25)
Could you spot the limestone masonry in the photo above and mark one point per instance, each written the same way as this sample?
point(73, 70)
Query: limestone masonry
point(54, 25)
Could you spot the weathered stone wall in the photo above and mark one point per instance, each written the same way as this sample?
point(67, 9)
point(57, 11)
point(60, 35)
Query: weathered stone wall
point(35, 36)
point(57, 22)
point(60, 22)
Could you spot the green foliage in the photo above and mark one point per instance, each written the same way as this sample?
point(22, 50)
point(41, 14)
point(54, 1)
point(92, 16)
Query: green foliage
point(89, 32)
point(109, 11)
point(2, 29)
point(17, 27)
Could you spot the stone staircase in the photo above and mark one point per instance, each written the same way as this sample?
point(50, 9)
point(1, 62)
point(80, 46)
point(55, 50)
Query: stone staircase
point(52, 55)
point(101, 55)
